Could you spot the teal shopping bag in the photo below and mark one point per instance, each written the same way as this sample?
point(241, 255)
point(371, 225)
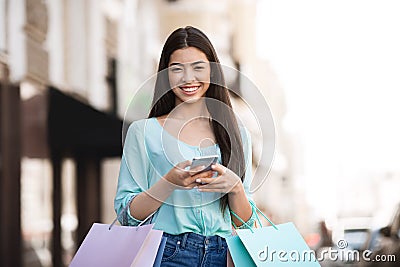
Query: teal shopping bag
point(276, 245)
point(238, 252)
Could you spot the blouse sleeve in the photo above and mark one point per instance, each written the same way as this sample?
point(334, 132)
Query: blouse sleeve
point(133, 174)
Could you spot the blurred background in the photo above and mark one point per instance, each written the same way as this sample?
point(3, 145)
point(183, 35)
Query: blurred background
point(328, 69)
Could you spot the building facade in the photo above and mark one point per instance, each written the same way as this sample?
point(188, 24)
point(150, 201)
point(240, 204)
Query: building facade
point(100, 52)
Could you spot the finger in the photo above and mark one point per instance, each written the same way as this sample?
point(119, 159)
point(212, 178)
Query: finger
point(190, 181)
point(206, 174)
point(212, 185)
point(219, 168)
point(191, 186)
point(214, 190)
point(182, 165)
point(221, 188)
point(206, 180)
point(197, 169)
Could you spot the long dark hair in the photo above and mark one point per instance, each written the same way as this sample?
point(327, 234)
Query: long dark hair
point(223, 120)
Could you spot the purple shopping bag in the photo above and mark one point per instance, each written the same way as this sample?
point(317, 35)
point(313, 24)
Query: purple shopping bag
point(119, 246)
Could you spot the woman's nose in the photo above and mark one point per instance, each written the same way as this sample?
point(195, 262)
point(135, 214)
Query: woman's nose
point(188, 76)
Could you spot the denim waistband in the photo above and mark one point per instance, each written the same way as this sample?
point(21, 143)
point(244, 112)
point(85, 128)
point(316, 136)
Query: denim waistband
point(197, 240)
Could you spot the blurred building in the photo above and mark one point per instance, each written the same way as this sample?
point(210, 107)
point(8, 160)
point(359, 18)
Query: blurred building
point(97, 53)
point(58, 61)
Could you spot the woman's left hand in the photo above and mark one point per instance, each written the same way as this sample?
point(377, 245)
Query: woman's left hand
point(226, 182)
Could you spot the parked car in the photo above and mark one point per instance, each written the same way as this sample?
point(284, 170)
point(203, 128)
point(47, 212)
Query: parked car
point(349, 234)
point(385, 245)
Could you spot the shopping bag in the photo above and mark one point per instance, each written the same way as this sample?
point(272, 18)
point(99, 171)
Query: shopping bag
point(148, 252)
point(160, 252)
point(275, 245)
point(237, 253)
point(121, 246)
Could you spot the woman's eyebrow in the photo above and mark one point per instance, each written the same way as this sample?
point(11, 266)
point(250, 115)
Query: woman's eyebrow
point(181, 64)
point(175, 63)
point(197, 62)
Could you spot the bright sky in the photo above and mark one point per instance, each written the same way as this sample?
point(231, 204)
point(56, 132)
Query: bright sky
point(339, 64)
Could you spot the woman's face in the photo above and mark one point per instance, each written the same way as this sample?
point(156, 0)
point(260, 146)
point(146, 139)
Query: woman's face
point(189, 74)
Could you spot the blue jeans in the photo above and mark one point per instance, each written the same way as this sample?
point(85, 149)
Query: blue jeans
point(194, 250)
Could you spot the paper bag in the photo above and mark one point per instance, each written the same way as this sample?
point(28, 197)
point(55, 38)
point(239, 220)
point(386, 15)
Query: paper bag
point(118, 246)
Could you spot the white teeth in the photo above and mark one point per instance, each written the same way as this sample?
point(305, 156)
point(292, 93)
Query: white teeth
point(190, 89)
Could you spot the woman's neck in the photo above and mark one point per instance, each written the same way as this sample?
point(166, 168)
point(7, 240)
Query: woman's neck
point(189, 111)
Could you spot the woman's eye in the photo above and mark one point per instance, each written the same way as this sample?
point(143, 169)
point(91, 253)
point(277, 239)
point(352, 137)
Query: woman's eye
point(175, 69)
point(199, 68)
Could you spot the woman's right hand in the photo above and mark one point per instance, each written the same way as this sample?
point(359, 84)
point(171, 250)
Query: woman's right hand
point(181, 178)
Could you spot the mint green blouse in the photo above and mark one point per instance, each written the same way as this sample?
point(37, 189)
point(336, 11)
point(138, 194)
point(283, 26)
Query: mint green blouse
point(149, 153)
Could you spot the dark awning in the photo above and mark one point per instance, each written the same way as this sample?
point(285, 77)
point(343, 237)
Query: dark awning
point(57, 122)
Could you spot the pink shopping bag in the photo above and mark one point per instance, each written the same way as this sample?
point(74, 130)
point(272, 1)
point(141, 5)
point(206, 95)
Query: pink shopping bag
point(118, 246)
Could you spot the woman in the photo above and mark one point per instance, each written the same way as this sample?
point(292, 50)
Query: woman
point(191, 116)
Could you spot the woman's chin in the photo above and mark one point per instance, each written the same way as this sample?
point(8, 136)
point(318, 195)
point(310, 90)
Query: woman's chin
point(193, 99)
point(190, 99)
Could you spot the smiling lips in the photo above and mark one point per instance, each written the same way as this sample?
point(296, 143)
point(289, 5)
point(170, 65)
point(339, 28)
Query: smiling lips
point(189, 89)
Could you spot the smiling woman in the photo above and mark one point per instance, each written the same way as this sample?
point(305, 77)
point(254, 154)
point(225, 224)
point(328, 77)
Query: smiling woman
point(193, 207)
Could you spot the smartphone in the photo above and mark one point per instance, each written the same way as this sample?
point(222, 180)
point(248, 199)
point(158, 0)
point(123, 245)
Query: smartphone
point(206, 161)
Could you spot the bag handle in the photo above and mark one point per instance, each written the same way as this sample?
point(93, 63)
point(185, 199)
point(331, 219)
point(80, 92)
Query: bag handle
point(125, 209)
point(265, 216)
point(256, 210)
